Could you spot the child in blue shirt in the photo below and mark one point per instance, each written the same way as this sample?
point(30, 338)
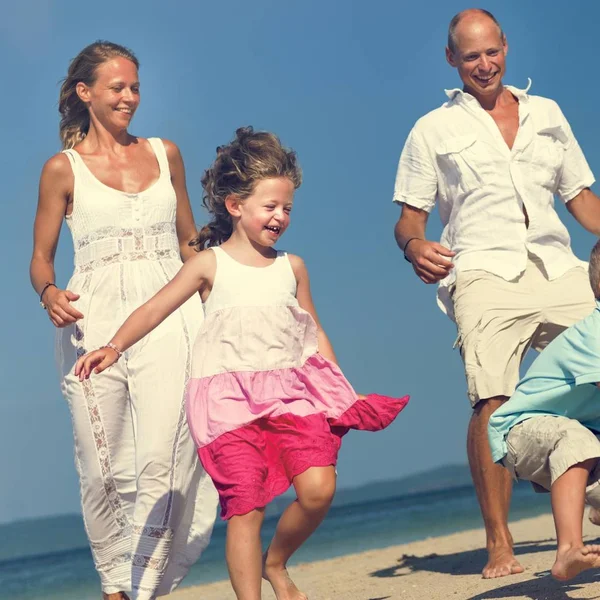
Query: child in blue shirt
point(548, 432)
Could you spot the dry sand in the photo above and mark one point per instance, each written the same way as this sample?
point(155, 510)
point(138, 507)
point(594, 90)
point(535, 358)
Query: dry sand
point(434, 569)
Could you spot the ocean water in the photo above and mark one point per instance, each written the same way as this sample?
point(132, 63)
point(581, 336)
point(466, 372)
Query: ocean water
point(48, 559)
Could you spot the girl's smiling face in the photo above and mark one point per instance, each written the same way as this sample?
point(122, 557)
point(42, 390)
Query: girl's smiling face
point(265, 214)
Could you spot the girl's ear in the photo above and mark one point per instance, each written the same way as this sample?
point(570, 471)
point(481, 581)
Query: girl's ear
point(232, 204)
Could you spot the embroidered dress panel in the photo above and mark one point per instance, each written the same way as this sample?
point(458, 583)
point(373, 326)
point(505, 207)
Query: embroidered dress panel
point(148, 505)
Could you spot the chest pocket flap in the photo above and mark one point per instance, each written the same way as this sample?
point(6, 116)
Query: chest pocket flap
point(455, 144)
point(459, 164)
point(555, 131)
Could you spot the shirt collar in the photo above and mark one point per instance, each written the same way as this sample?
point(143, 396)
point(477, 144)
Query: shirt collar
point(458, 95)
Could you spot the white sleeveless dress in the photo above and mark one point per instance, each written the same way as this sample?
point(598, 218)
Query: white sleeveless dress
point(148, 505)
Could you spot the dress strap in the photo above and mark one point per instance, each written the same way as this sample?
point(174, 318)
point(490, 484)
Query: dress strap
point(72, 155)
point(79, 174)
point(161, 156)
point(287, 271)
point(218, 252)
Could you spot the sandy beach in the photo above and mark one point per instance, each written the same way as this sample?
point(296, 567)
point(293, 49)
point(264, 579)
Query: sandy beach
point(434, 569)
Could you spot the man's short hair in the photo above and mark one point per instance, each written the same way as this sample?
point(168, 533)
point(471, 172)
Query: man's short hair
point(456, 19)
point(594, 269)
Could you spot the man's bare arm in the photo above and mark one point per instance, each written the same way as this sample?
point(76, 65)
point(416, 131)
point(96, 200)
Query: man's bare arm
point(430, 260)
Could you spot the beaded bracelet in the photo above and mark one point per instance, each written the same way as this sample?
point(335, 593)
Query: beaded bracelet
point(113, 347)
point(48, 284)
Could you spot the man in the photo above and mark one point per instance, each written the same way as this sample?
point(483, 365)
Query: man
point(493, 157)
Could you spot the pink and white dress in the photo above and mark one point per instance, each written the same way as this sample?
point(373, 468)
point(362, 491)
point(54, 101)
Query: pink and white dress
point(262, 404)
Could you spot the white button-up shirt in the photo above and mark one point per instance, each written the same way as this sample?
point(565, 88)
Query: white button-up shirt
point(456, 156)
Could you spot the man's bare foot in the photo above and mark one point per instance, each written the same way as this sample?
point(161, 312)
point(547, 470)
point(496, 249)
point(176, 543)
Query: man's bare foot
point(501, 562)
point(281, 582)
point(571, 561)
point(594, 516)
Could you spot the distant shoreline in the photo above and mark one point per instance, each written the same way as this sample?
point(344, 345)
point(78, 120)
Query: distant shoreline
point(446, 477)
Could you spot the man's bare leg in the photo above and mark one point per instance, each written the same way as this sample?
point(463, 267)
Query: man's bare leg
point(493, 486)
point(568, 501)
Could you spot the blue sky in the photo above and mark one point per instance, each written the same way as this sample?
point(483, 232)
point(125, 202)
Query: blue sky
point(342, 83)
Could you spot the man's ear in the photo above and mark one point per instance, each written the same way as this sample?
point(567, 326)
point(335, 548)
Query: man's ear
point(451, 58)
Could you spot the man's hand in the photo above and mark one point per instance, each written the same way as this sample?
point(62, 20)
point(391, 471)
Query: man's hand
point(430, 260)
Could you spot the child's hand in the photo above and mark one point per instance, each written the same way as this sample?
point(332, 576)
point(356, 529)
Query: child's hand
point(98, 361)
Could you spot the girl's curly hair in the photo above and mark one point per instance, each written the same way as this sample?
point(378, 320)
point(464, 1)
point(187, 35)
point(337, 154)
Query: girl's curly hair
point(239, 166)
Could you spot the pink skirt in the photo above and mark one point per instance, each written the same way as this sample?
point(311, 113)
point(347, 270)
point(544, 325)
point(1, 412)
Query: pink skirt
point(258, 461)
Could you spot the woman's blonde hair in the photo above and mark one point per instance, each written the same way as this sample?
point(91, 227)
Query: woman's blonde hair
point(251, 157)
point(75, 118)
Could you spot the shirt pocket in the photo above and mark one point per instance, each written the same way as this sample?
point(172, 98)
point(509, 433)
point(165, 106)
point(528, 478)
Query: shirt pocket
point(548, 154)
point(457, 159)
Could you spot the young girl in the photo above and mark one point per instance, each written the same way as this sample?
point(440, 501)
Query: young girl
point(267, 404)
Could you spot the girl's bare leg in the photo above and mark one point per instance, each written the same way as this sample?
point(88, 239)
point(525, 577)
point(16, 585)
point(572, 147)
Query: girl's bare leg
point(568, 501)
point(315, 489)
point(243, 552)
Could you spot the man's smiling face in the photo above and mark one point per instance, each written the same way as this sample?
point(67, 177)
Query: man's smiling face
point(479, 54)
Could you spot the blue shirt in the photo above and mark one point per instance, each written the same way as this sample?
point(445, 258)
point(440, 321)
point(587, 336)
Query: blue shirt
point(561, 382)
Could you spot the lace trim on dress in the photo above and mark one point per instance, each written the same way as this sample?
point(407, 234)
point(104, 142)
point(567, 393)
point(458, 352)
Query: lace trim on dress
point(162, 533)
point(105, 261)
point(110, 487)
point(111, 232)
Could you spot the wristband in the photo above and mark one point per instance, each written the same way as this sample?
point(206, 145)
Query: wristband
point(406, 246)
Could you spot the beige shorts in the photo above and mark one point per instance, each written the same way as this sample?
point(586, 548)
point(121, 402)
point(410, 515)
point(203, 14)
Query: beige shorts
point(542, 448)
point(499, 320)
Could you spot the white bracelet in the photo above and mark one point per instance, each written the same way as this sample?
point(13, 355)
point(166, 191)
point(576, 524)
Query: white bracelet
point(113, 347)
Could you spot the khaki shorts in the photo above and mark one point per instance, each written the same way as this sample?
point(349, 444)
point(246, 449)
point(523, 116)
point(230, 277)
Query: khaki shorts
point(499, 320)
point(542, 448)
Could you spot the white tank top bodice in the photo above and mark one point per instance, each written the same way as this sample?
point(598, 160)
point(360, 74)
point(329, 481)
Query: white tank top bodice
point(236, 284)
point(110, 226)
point(253, 321)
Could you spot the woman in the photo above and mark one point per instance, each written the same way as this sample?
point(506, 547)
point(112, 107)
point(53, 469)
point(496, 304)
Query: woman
point(148, 506)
